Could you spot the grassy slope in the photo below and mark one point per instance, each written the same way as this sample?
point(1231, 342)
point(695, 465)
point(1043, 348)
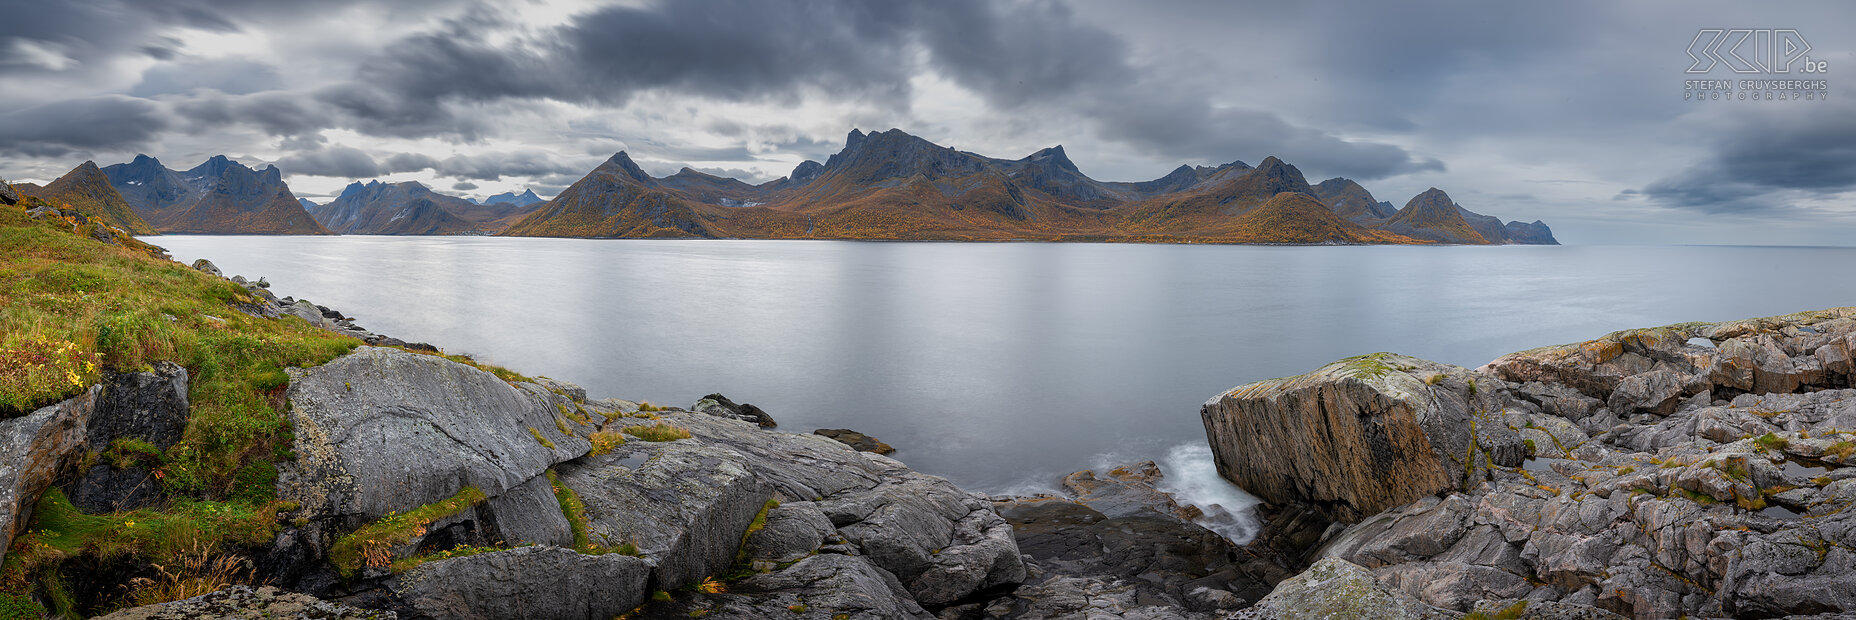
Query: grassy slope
point(71, 308)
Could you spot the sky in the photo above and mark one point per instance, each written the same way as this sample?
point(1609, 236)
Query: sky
point(1573, 113)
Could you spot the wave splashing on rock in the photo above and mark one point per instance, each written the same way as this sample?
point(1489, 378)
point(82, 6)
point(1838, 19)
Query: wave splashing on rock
point(1192, 479)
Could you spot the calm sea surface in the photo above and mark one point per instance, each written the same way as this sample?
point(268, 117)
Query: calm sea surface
point(1001, 365)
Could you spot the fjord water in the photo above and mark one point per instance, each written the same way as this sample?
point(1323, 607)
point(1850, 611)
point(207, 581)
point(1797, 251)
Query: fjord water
point(1002, 365)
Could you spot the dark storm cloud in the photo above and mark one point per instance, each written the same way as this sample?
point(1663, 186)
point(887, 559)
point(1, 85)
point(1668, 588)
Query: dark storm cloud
point(91, 123)
point(275, 112)
point(1760, 159)
point(735, 49)
point(463, 186)
point(91, 31)
point(494, 166)
point(1016, 56)
point(353, 163)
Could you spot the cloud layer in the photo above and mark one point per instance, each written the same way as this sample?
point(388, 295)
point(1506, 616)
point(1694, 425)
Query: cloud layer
point(1569, 113)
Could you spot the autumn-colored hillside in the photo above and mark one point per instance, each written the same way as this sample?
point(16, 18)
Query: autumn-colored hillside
point(892, 185)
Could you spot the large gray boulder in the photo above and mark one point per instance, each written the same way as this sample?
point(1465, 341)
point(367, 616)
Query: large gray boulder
point(34, 450)
point(7, 195)
point(534, 583)
point(383, 430)
point(941, 542)
point(1361, 435)
point(684, 504)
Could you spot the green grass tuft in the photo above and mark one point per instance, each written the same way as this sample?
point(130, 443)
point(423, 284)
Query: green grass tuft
point(372, 545)
point(59, 530)
point(661, 431)
point(540, 438)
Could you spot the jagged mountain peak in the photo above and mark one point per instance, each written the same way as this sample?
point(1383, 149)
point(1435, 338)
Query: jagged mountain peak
point(623, 163)
point(1282, 173)
point(1054, 157)
point(1432, 198)
point(1432, 215)
point(806, 171)
point(213, 167)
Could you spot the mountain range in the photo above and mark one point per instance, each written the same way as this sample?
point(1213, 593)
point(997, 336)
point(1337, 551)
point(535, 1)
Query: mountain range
point(892, 185)
point(881, 185)
point(526, 198)
point(410, 208)
point(219, 196)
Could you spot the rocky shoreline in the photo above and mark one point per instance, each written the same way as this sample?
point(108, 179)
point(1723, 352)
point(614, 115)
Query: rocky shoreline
point(1694, 470)
point(1697, 470)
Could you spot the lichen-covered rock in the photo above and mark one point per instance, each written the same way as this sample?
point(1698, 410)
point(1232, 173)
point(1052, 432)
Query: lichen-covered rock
point(1541, 610)
point(685, 505)
point(1657, 391)
point(1360, 435)
point(243, 602)
point(34, 450)
point(207, 266)
point(1595, 368)
point(534, 583)
point(1335, 588)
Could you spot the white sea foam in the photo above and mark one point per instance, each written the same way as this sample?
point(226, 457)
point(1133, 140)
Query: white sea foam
point(1191, 477)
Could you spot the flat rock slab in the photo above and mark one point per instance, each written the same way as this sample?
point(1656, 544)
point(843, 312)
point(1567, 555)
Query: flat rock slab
point(533, 583)
point(243, 602)
point(1335, 588)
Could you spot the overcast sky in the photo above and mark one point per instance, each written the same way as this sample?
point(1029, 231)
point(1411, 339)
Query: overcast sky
point(1572, 113)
